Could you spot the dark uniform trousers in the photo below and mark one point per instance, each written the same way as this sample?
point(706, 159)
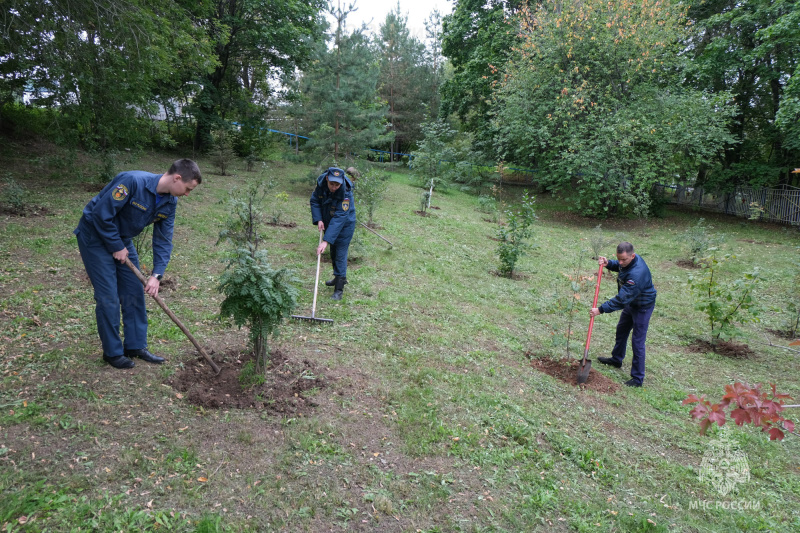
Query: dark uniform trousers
point(637, 320)
point(339, 250)
point(115, 286)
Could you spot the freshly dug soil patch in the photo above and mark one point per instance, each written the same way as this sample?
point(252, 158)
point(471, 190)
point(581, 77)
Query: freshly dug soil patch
point(730, 349)
point(282, 224)
point(686, 263)
point(283, 392)
point(783, 333)
point(29, 211)
point(567, 371)
point(168, 284)
point(434, 207)
point(422, 213)
point(516, 276)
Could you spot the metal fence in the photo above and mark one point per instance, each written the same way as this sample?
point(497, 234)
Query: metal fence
point(781, 204)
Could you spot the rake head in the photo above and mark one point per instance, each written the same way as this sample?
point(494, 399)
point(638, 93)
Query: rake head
point(312, 318)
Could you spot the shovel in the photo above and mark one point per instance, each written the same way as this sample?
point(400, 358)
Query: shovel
point(174, 318)
point(313, 317)
point(586, 364)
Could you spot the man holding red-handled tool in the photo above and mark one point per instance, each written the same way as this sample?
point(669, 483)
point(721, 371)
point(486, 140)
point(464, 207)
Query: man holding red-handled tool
point(636, 297)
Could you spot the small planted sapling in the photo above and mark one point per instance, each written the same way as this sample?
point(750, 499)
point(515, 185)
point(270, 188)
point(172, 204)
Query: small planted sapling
point(279, 202)
point(424, 202)
point(513, 237)
point(700, 240)
point(256, 294)
point(370, 189)
point(597, 241)
point(222, 153)
point(724, 303)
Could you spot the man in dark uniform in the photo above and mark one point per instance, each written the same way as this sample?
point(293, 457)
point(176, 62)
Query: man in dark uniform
point(110, 221)
point(334, 212)
point(636, 297)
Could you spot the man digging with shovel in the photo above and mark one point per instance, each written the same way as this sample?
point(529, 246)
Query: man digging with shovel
point(636, 297)
point(110, 221)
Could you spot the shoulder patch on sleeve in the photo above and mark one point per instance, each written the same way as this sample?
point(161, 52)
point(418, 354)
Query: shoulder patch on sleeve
point(630, 282)
point(120, 192)
point(346, 204)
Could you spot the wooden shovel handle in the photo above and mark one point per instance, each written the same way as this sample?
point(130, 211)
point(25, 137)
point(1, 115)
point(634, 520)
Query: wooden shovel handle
point(174, 318)
point(591, 320)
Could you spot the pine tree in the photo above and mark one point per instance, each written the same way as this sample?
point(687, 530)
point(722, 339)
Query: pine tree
point(343, 104)
point(403, 79)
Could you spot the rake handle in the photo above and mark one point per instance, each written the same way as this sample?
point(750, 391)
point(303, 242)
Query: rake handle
point(376, 233)
point(591, 320)
point(174, 318)
point(316, 280)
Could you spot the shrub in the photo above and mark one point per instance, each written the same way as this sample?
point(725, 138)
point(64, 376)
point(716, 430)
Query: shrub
point(514, 235)
point(13, 194)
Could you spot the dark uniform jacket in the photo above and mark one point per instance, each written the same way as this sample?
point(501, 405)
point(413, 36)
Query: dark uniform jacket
point(336, 210)
point(125, 207)
point(635, 286)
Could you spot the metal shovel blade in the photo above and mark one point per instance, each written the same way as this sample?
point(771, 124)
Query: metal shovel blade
point(583, 371)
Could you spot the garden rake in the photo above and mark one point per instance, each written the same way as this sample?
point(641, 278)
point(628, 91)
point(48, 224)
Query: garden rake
point(586, 364)
point(313, 318)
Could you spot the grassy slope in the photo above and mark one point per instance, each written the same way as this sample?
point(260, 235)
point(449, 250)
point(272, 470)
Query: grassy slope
point(432, 419)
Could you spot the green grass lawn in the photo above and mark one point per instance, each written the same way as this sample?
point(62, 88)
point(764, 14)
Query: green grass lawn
point(431, 420)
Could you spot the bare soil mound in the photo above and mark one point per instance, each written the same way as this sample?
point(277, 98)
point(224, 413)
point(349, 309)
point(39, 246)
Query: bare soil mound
point(784, 333)
point(567, 371)
point(286, 389)
point(727, 348)
point(29, 211)
point(686, 263)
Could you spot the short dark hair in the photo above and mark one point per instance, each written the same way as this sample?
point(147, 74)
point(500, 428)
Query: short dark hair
point(624, 248)
point(188, 170)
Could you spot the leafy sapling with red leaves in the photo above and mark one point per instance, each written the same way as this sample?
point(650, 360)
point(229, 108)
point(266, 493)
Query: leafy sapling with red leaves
point(748, 405)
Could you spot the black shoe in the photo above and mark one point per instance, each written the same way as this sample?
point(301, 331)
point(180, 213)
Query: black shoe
point(610, 362)
point(633, 383)
point(119, 361)
point(144, 355)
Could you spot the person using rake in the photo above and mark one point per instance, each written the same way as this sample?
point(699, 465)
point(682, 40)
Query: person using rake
point(333, 211)
point(636, 297)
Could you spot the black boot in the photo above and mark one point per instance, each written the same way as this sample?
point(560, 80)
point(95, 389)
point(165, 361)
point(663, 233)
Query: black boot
point(337, 292)
point(332, 282)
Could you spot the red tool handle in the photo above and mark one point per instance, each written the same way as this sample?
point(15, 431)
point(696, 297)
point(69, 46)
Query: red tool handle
point(594, 304)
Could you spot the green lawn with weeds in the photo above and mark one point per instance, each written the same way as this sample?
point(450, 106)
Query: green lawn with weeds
point(431, 420)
